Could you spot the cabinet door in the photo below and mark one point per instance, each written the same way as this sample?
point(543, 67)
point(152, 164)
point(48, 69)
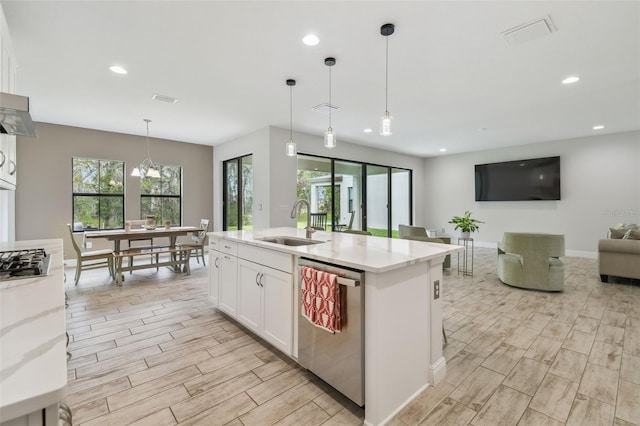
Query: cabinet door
point(228, 301)
point(249, 295)
point(277, 288)
point(214, 276)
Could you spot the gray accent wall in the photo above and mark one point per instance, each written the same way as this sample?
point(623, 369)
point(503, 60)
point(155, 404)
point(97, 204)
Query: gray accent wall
point(600, 187)
point(43, 194)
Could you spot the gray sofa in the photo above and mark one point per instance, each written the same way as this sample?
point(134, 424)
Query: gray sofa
point(620, 256)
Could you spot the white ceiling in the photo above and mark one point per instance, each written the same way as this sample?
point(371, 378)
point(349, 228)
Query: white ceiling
point(451, 72)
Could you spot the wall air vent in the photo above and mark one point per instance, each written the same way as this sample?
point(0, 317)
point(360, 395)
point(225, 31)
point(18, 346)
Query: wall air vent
point(325, 108)
point(530, 31)
point(163, 98)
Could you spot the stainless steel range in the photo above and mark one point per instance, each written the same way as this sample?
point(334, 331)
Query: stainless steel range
point(18, 264)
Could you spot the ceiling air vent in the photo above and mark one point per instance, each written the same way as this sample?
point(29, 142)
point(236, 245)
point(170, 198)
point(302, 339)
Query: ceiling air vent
point(163, 98)
point(530, 31)
point(325, 107)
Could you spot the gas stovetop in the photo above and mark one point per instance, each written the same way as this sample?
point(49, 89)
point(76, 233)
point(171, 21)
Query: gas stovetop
point(23, 264)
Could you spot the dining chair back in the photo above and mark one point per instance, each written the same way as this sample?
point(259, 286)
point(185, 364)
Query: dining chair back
point(91, 259)
point(319, 221)
point(199, 237)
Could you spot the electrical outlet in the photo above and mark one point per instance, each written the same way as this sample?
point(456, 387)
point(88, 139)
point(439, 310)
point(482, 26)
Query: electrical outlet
point(436, 289)
point(89, 244)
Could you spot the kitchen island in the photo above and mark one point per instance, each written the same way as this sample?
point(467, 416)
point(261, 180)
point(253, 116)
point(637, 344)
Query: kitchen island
point(403, 312)
point(33, 361)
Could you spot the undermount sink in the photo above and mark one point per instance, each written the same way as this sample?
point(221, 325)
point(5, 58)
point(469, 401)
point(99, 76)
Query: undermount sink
point(289, 241)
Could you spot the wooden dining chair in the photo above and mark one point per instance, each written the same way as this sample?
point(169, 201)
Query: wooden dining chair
point(91, 259)
point(197, 246)
point(319, 221)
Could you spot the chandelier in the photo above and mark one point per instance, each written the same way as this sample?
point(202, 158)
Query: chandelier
point(147, 168)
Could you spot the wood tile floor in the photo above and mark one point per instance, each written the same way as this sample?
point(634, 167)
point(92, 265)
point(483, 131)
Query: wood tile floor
point(155, 352)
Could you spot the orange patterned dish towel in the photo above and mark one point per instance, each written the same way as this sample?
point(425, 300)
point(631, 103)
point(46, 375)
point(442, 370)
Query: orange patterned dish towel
point(320, 296)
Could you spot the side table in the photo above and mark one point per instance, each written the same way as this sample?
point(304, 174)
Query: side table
point(467, 257)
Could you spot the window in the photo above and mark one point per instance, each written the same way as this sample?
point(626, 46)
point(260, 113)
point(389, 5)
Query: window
point(98, 194)
point(162, 197)
point(238, 193)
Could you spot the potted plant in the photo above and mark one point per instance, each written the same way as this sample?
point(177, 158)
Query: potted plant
point(466, 224)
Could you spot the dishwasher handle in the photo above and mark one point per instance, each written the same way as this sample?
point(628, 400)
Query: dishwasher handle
point(348, 282)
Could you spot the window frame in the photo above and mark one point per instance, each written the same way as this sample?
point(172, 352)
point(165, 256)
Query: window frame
point(163, 197)
point(99, 195)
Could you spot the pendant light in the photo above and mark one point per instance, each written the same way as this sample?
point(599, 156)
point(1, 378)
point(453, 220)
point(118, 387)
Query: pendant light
point(291, 146)
point(329, 136)
point(385, 122)
point(147, 168)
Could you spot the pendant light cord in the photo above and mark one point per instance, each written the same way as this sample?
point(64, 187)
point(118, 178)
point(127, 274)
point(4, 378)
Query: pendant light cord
point(148, 152)
point(330, 107)
point(386, 82)
point(291, 113)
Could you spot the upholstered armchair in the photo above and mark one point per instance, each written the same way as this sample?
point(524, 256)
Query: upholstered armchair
point(418, 233)
point(530, 260)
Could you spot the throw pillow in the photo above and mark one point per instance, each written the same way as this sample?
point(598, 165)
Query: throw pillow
point(632, 234)
point(617, 233)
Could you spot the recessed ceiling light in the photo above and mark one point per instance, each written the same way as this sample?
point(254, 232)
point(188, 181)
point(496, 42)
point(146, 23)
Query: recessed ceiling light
point(443, 149)
point(367, 130)
point(598, 127)
point(118, 69)
point(571, 79)
point(310, 39)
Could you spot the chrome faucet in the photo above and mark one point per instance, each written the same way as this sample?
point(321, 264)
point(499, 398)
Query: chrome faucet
point(309, 229)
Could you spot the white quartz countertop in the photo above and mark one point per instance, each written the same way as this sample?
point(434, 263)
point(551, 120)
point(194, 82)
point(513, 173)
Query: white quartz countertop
point(33, 361)
point(373, 254)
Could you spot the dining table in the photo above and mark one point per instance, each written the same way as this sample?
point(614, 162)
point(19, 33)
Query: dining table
point(117, 235)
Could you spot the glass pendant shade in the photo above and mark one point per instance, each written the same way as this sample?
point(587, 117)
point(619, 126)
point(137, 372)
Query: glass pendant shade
point(136, 172)
point(291, 149)
point(329, 138)
point(385, 124)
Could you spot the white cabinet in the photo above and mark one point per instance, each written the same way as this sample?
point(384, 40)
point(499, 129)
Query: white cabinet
point(265, 295)
point(214, 271)
point(255, 286)
point(8, 160)
point(250, 295)
point(228, 284)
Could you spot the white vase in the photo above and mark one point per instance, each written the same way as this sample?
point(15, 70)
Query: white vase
point(465, 234)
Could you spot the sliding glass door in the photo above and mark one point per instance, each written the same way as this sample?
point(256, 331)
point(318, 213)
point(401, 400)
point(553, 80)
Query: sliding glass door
point(377, 218)
point(401, 200)
point(314, 185)
point(355, 196)
point(238, 193)
point(348, 189)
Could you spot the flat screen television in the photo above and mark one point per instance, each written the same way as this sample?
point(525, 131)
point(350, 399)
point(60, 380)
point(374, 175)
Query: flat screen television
point(522, 180)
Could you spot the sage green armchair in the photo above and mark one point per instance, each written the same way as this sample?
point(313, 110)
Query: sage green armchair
point(418, 233)
point(530, 260)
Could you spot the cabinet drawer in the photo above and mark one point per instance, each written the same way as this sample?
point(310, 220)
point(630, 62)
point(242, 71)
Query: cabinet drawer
point(226, 246)
point(271, 258)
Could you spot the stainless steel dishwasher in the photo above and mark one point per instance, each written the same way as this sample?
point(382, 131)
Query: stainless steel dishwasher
point(338, 358)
